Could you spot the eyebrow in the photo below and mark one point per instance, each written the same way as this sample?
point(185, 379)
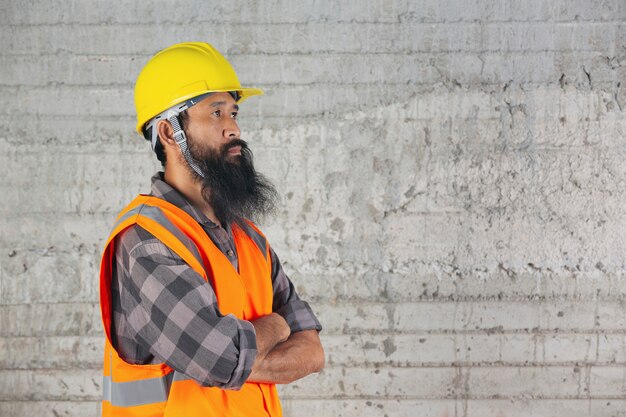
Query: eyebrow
point(222, 103)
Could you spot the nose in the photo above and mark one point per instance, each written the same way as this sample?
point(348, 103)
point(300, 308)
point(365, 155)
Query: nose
point(231, 130)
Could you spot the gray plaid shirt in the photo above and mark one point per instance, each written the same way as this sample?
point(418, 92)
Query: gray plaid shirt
point(163, 311)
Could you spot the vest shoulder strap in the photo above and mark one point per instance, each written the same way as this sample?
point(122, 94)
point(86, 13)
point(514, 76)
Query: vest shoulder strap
point(165, 225)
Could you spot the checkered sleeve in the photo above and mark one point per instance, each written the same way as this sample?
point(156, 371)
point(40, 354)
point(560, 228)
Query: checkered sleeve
point(172, 312)
point(296, 312)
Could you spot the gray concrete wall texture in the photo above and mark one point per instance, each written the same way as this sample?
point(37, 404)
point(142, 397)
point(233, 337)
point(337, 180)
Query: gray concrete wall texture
point(453, 185)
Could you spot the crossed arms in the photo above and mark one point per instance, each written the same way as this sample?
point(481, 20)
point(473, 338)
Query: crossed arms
point(163, 311)
point(284, 357)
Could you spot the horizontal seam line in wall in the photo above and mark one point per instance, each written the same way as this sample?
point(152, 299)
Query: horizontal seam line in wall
point(117, 87)
point(479, 365)
point(416, 52)
point(399, 52)
point(98, 334)
point(375, 366)
point(95, 401)
point(129, 117)
point(384, 365)
point(464, 88)
point(585, 398)
point(324, 115)
point(54, 303)
point(521, 397)
point(532, 300)
point(256, 118)
point(529, 302)
point(478, 332)
point(30, 149)
point(416, 333)
point(394, 22)
point(129, 86)
point(21, 148)
point(321, 114)
point(524, 399)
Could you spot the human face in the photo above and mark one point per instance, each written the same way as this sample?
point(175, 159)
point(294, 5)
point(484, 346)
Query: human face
point(213, 123)
point(230, 183)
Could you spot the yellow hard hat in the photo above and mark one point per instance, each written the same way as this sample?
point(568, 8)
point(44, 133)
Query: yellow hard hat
point(181, 72)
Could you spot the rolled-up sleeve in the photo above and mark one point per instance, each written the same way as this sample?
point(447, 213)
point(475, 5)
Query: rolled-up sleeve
point(172, 312)
point(296, 312)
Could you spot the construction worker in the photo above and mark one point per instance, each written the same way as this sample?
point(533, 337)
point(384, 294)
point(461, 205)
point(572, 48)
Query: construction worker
point(200, 318)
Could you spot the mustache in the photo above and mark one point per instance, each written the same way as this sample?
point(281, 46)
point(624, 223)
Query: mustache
point(232, 144)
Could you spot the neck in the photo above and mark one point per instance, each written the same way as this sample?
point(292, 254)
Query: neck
point(183, 182)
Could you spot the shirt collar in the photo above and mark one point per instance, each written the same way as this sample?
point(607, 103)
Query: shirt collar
point(164, 191)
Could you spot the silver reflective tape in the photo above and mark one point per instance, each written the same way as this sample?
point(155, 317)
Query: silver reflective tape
point(106, 388)
point(157, 215)
point(258, 240)
point(133, 393)
point(127, 215)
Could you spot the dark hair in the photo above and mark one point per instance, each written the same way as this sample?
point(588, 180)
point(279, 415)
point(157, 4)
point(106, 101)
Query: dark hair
point(158, 147)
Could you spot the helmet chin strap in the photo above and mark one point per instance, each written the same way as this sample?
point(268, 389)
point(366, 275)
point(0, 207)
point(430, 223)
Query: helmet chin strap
point(181, 140)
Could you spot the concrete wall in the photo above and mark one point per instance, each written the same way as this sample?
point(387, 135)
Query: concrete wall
point(453, 184)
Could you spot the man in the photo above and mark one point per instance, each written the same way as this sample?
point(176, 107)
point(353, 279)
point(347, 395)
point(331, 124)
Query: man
point(200, 318)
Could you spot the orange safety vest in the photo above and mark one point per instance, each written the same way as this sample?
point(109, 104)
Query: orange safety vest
point(158, 390)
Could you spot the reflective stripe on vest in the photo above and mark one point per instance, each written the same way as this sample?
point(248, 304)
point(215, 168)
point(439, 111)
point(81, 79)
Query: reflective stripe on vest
point(157, 215)
point(132, 393)
point(141, 392)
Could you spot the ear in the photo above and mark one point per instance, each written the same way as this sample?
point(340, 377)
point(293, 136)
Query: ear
point(166, 136)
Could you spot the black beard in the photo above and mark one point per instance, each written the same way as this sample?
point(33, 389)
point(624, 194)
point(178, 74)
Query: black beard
point(232, 187)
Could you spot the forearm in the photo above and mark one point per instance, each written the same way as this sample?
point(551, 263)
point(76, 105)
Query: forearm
point(300, 355)
point(270, 331)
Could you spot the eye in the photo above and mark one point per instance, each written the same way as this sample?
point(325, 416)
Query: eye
point(218, 113)
point(234, 115)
